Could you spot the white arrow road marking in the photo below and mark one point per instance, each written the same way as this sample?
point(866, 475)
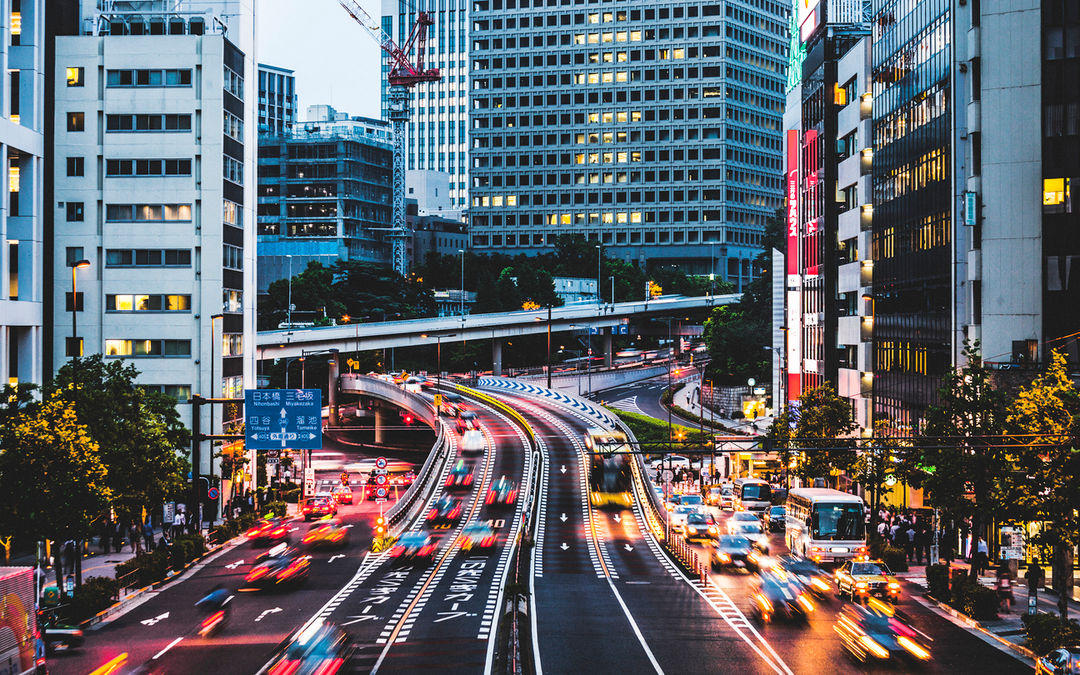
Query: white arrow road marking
point(335, 557)
point(151, 622)
point(564, 546)
point(618, 519)
point(563, 469)
point(269, 611)
point(358, 618)
point(563, 517)
point(232, 566)
point(628, 547)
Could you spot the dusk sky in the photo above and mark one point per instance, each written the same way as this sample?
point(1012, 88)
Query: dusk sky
point(335, 60)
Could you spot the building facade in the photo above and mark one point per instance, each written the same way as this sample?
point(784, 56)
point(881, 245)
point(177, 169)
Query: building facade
point(153, 187)
point(324, 194)
point(436, 137)
point(651, 129)
point(22, 121)
point(277, 100)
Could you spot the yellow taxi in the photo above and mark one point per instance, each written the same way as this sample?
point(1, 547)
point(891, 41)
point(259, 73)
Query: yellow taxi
point(861, 579)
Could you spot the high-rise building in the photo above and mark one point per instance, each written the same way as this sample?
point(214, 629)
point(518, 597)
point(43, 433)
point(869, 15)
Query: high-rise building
point(324, 194)
point(153, 185)
point(22, 56)
point(277, 99)
point(829, 272)
point(436, 137)
point(649, 128)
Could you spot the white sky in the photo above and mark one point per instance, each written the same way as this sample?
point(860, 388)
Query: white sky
point(336, 61)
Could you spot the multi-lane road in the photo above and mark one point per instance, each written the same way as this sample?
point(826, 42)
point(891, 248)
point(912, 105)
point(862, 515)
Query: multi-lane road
point(604, 596)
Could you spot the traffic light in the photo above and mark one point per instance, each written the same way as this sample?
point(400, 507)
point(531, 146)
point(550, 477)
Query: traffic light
point(380, 526)
point(344, 477)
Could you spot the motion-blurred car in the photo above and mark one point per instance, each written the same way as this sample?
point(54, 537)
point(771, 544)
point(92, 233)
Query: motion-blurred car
point(467, 419)
point(861, 579)
point(413, 384)
point(473, 442)
point(678, 516)
point(342, 494)
point(326, 534)
point(315, 649)
point(733, 550)
point(460, 476)
point(806, 572)
point(319, 506)
point(774, 595)
point(477, 537)
point(268, 531)
point(502, 492)
point(727, 498)
point(744, 517)
point(1059, 662)
point(414, 546)
point(775, 518)
point(683, 500)
point(446, 510)
point(451, 405)
point(874, 633)
point(288, 569)
point(700, 526)
point(752, 531)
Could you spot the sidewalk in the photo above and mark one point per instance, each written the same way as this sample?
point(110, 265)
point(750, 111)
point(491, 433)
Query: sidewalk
point(688, 398)
point(1007, 627)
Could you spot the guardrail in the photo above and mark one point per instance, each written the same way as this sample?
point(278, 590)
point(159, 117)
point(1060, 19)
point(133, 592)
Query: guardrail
point(405, 509)
point(419, 406)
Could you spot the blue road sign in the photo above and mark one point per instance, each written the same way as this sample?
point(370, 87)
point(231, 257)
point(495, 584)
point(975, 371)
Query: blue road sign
point(283, 418)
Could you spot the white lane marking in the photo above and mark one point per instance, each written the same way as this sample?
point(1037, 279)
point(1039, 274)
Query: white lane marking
point(633, 624)
point(167, 648)
point(226, 601)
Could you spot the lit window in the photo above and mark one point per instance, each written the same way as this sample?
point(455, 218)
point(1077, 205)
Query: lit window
point(123, 303)
point(608, 78)
point(13, 178)
point(621, 76)
point(594, 18)
point(620, 57)
point(497, 200)
point(679, 53)
point(594, 78)
point(635, 156)
point(579, 39)
point(622, 157)
point(635, 216)
point(579, 158)
point(607, 118)
point(75, 77)
point(594, 178)
point(608, 37)
point(1055, 191)
point(635, 115)
point(609, 137)
point(594, 117)
point(594, 158)
point(594, 38)
point(566, 219)
point(620, 36)
point(608, 17)
point(609, 217)
point(620, 217)
point(579, 139)
point(609, 157)
point(621, 116)
point(511, 200)
point(635, 36)
point(118, 348)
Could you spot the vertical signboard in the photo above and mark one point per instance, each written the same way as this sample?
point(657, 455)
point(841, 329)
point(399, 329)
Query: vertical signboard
point(794, 280)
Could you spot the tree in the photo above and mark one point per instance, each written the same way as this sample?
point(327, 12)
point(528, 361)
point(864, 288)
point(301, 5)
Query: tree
point(538, 286)
point(822, 426)
point(138, 432)
point(54, 481)
point(507, 295)
point(963, 474)
point(881, 463)
point(736, 344)
point(1046, 417)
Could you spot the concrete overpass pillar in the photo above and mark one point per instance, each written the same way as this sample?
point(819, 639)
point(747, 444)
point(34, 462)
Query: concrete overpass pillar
point(380, 423)
point(332, 388)
point(496, 357)
point(607, 346)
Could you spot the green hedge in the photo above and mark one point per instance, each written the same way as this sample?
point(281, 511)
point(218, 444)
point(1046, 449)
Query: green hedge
point(94, 595)
point(275, 509)
point(1046, 632)
point(974, 599)
point(291, 495)
point(937, 579)
point(895, 559)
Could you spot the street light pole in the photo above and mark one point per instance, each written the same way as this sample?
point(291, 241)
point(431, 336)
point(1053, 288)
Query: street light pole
point(612, 278)
point(462, 298)
point(598, 251)
point(213, 319)
point(289, 308)
point(549, 348)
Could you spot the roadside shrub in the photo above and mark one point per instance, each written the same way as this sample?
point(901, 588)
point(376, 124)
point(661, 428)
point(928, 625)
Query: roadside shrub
point(937, 578)
point(186, 548)
point(95, 594)
point(974, 599)
point(246, 520)
point(894, 558)
point(291, 495)
point(877, 547)
point(275, 508)
point(1046, 632)
point(224, 532)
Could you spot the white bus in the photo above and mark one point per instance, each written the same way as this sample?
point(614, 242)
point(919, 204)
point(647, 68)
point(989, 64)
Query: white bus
point(825, 525)
point(752, 494)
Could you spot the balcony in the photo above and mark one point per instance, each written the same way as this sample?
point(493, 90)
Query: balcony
point(849, 330)
point(848, 279)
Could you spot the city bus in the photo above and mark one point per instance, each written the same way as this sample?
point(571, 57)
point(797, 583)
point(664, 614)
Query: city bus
point(610, 480)
point(752, 494)
point(825, 525)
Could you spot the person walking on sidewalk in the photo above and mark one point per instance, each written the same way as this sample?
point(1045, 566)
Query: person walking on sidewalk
point(1035, 577)
point(980, 559)
point(148, 535)
point(1003, 585)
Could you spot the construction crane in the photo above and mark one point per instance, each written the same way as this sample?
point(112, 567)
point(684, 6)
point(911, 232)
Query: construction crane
point(404, 75)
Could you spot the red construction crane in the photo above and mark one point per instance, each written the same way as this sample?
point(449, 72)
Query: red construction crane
point(403, 76)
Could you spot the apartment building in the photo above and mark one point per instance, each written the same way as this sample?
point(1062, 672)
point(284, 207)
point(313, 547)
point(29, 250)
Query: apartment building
point(277, 100)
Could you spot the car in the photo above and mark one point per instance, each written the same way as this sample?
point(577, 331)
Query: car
point(468, 419)
point(473, 442)
point(727, 498)
point(684, 500)
point(451, 405)
point(460, 476)
point(629, 354)
point(874, 633)
point(671, 462)
point(413, 384)
point(806, 572)
point(744, 517)
point(477, 537)
point(700, 526)
point(679, 515)
point(343, 494)
point(752, 531)
point(319, 647)
point(268, 531)
point(1059, 661)
point(290, 568)
point(774, 595)
point(712, 495)
point(326, 534)
point(446, 509)
point(319, 506)
point(414, 547)
point(859, 579)
point(775, 518)
point(502, 492)
point(733, 550)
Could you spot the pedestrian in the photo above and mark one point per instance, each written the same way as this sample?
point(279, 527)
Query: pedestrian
point(148, 534)
point(69, 557)
point(1003, 585)
point(107, 529)
point(980, 560)
point(133, 535)
point(893, 530)
point(178, 523)
point(920, 542)
point(909, 542)
point(1035, 575)
point(118, 536)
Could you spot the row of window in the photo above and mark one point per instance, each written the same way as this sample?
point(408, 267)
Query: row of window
point(145, 77)
point(125, 302)
point(148, 257)
point(146, 167)
point(139, 347)
point(144, 122)
point(147, 212)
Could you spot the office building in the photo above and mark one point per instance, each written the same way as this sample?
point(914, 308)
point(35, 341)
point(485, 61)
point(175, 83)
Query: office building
point(434, 235)
point(153, 185)
point(324, 194)
point(436, 137)
point(829, 158)
point(649, 128)
point(22, 56)
point(277, 100)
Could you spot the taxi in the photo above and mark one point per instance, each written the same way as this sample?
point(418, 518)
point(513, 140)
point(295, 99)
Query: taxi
point(860, 579)
point(326, 534)
point(342, 494)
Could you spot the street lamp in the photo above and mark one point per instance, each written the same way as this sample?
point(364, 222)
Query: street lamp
point(76, 346)
point(462, 298)
point(213, 319)
point(438, 360)
point(598, 250)
point(612, 279)
point(289, 308)
point(548, 362)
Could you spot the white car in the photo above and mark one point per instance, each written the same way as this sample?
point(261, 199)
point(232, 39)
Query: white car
point(678, 517)
point(473, 441)
point(752, 530)
point(412, 384)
